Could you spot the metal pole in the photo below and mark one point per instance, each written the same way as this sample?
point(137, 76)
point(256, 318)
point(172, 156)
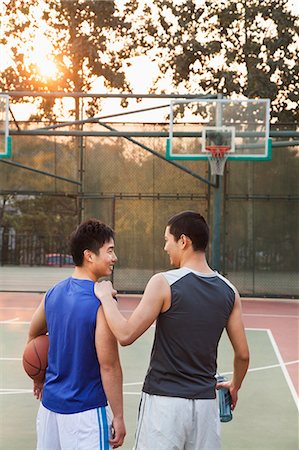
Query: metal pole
point(81, 163)
point(216, 242)
point(32, 169)
point(75, 94)
point(185, 169)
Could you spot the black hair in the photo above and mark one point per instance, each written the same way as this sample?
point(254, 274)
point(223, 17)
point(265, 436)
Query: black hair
point(89, 235)
point(193, 225)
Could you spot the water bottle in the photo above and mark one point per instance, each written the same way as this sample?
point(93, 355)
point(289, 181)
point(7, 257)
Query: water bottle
point(224, 400)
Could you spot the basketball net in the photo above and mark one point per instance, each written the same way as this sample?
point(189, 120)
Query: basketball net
point(217, 157)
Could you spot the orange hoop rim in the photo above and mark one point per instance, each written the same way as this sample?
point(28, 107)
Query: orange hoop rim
point(218, 151)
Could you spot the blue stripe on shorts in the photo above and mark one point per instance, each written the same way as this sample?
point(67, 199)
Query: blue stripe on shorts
point(103, 428)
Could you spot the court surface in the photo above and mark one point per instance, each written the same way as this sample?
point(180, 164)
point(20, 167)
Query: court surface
point(267, 413)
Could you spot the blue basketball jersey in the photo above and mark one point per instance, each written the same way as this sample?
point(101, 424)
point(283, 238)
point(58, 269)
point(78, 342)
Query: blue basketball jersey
point(73, 380)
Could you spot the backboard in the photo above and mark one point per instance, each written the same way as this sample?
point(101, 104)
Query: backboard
point(239, 126)
point(5, 142)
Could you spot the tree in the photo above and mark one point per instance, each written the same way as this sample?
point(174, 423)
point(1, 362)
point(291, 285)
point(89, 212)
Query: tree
point(45, 216)
point(234, 47)
point(76, 34)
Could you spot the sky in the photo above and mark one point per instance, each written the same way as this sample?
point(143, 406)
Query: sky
point(294, 6)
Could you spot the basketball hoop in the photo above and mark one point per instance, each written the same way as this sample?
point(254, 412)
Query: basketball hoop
point(217, 156)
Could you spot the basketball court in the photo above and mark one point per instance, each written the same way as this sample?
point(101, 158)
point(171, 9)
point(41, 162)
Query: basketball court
point(209, 132)
point(266, 417)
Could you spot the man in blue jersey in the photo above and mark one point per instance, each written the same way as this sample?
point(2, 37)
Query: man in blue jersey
point(83, 362)
point(191, 305)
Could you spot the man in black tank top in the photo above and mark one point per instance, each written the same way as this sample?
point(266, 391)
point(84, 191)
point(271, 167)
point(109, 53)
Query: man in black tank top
point(192, 305)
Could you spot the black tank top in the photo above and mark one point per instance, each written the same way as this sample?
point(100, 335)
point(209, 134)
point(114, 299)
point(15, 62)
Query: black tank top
point(184, 354)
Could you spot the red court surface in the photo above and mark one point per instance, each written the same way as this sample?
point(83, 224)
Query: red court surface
point(280, 317)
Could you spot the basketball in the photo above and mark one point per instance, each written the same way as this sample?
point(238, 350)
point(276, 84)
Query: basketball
point(35, 358)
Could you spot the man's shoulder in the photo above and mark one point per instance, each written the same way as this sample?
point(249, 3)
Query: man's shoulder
point(62, 283)
point(229, 283)
point(174, 275)
point(58, 286)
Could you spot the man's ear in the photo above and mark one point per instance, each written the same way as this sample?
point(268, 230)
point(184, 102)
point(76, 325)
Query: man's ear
point(88, 255)
point(185, 241)
point(182, 241)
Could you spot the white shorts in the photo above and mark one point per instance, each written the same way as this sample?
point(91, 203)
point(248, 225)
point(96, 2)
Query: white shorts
point(173, 423)
point(81, 431)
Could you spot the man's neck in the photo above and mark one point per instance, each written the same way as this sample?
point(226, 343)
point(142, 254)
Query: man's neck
point(196, 261)
point(83, 273)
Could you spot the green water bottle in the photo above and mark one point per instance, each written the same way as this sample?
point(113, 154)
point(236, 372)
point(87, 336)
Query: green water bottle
point(224, 400)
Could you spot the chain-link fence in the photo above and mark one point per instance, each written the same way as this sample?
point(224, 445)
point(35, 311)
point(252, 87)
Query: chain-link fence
point(136, 192)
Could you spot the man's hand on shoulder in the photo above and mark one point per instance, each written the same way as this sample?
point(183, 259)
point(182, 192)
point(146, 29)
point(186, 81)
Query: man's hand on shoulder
point(104, 291)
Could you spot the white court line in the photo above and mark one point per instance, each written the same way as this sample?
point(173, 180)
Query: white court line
point(256, 329)
point(16, 322)
point(132, 393)
point(10, 359)
point(280, 364)
point(272, 366)
point(30, 391)
point(138, 383)
point(15, 391)
point(254, 369)
point(15, 319)
point(283, 368)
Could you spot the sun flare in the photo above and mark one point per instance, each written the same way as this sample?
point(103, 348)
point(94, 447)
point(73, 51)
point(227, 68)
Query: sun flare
point(47, 68)
point(40, 55)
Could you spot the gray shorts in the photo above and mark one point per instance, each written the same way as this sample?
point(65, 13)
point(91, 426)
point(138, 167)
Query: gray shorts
point(173, 423)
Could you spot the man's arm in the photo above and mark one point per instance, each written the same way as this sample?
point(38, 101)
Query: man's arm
point(111, 373)
point(154, 300)
point(38, 326)
point(236, 334)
